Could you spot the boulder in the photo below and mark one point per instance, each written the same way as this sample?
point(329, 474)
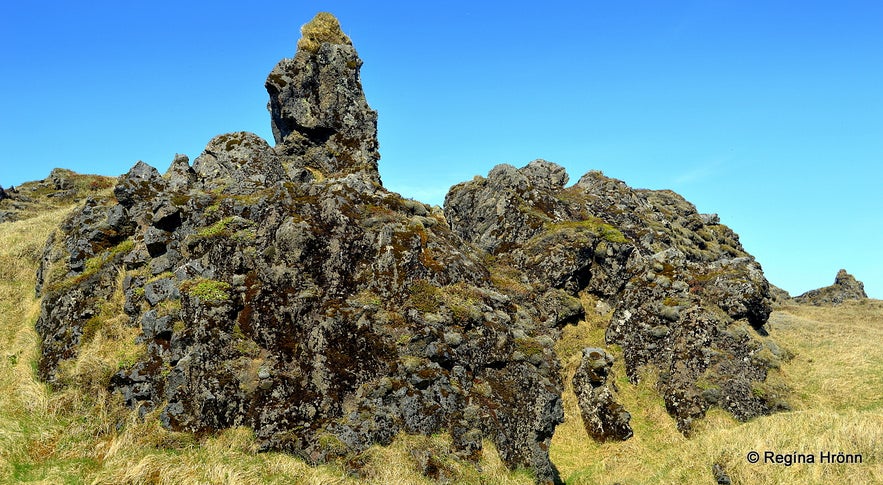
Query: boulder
point(603, 417)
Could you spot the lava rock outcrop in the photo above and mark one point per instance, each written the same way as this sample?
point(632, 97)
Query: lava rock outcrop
point(604, 418)
point(60, 189)
point(285, 289)
point(318, 111)
point(687, 300)
point(845, 288)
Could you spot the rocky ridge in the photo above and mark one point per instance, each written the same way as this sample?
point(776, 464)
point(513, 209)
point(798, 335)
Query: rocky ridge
point(60, 189)
point(845, 288)
point(285, 289)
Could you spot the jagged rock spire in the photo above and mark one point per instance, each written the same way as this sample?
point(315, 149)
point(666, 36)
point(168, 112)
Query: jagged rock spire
point(318, 111)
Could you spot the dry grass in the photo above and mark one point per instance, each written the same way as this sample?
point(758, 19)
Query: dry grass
point(837, 381)
point(838, 359)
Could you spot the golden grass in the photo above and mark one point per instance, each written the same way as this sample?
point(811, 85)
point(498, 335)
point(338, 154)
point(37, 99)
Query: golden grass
point(837, 381)
point(838, 360)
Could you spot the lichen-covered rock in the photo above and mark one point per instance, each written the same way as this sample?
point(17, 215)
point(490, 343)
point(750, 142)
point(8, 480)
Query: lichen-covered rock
point(603, 417)
point(283, 288)
point(680, 284)
point(778, 296)
point(237, 163)
point(319, 114)
point(845, 288)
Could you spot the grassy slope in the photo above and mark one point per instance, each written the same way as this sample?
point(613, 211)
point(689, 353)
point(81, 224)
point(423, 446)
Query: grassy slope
point(80, 435)
point(837, 382)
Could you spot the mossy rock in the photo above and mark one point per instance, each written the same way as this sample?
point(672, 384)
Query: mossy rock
point(206, 290)
point(324, 28)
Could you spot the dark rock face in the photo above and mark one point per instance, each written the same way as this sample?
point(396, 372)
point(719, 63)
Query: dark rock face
point(319, 114)
point(285, 289)
point(687, 299)
point(845, 288)
point(604, 418)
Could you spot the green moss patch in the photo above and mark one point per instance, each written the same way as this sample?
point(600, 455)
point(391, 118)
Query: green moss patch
point(593, 225)
point(206, 290)
point(92, 266)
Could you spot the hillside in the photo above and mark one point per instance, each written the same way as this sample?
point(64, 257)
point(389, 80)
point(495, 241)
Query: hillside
point(274, 313)
point(83, 435)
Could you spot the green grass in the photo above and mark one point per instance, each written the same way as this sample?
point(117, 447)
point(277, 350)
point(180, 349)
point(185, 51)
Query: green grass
point(218, 229)
point(92, 266)
point(208, 291)
point(593, 225)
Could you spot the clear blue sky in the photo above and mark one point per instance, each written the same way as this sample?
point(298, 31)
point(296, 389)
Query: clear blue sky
point(769, 113)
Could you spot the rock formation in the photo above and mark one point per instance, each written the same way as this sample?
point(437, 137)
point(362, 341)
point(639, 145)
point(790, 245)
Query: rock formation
point(60, 189)
point(687, 299)
point(778, 296)
point(845, 288)
point(318, 110)
point(604, 418)
point(283, 288)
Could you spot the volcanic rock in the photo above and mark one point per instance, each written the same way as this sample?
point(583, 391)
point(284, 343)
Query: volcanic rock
point(318, 110)
point(687, 299)
point(845, 288)
point(778, 296)
point(603, 417)
point(60, 189)
point(285, 289)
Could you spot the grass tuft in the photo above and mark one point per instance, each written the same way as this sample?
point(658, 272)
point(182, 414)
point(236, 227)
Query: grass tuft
point(206, 290)
point(324, 28)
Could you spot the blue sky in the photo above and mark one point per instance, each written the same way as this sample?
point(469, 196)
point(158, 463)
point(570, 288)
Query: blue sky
point(769, 113)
